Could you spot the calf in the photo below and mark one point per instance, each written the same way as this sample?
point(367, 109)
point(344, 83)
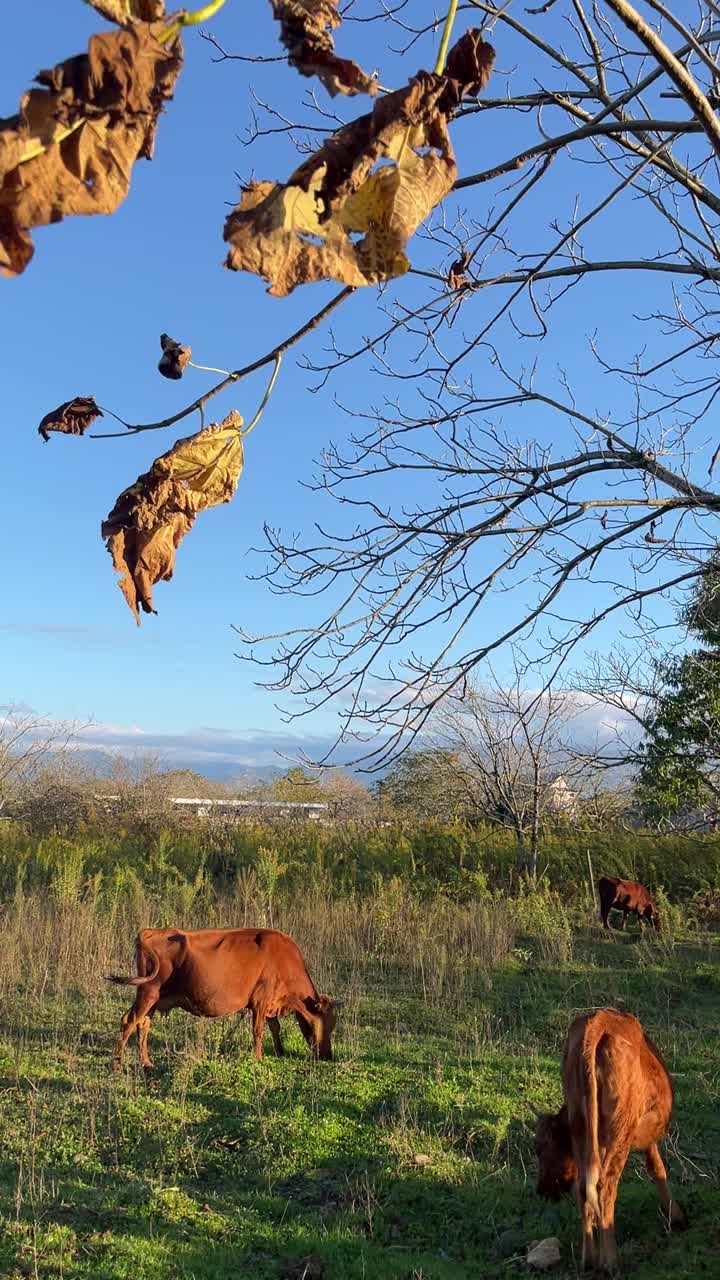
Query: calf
point(618, 1099)
point(215, 972)
point(626, 896)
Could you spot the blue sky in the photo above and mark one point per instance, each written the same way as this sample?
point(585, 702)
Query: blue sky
point(85, 318)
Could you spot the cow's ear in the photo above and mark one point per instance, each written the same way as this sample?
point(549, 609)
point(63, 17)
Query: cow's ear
point(314, 1004)
point(323, 1003)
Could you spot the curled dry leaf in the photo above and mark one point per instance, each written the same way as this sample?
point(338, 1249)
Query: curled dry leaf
point(71, 418)
point(123, 11)
point(150, 519)
point(73, 144)
point(376, 179)
point(305, 27)
point(174, 357)
point(456, 277)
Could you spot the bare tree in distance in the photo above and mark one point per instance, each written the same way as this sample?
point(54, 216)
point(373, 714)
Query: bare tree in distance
point(512, 486)
point(515, 763)
point(27, 742)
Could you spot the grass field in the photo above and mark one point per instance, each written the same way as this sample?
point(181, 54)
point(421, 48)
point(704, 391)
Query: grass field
point(408, 1157)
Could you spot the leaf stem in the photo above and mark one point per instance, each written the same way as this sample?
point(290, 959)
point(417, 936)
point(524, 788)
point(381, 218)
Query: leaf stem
point(208, 368)
point(190, 20)
point(199, 404)
point(445, 41)
point(266, 397)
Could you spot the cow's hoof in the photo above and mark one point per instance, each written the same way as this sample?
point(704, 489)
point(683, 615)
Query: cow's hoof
point(678, 1217)
point(610, 1267)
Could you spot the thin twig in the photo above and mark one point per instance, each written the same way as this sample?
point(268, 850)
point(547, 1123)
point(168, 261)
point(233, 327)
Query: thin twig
point(604, 128)
point(679, 74)
point(200, 403)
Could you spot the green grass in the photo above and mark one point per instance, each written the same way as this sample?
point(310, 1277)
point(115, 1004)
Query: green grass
point(409, 1156)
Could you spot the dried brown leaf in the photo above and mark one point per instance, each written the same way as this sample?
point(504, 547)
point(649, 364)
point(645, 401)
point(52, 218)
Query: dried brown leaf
point(150, 519)
point(123, 11)
point(375, 179)
point(71, 418)
point(71, 148)
point(305, 27)
point(456, 277)
point(174, 357)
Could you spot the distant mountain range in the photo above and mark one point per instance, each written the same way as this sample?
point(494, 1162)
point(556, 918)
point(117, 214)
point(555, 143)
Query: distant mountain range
point(101, 763)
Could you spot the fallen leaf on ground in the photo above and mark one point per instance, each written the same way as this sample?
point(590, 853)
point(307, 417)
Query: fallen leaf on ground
point(174, 357)
point(150, 519)
point(544, 1255)
point(72, 146)
point(423, 1159)
point(348, 211)
point(71, 418)
point(305, 27)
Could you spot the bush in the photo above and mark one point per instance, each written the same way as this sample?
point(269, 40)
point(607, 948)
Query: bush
point(464, 863)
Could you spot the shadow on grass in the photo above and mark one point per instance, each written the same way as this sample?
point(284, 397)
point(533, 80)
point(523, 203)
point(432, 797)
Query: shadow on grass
point(355, 1218)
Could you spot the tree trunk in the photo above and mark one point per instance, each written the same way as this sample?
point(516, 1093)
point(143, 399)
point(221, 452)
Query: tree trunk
point(532, 864)
point(522, 850)
point(535, 823)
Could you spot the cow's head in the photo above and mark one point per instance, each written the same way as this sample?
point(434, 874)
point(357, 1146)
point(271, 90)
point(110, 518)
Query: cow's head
point(322, 1015)
point(557, 1170)
point(653, 915)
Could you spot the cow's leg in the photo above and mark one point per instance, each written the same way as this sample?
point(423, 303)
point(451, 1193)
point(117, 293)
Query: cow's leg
point(142, 1040)
point(624, 919)
point(656, 1169)
point(587, 1217)
point(274, 1025)
point(608, 1258)
point(144, 1002)
point(258, 1027)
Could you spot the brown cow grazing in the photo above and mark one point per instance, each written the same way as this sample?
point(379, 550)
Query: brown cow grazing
point(618, 1099)
point(216, 972)
point(626, 896)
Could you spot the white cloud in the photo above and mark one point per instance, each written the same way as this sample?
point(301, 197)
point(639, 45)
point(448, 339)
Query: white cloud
point(205, 748)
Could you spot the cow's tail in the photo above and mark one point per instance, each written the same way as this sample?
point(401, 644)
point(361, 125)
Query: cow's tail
point(140, 947)
point(591, 1039)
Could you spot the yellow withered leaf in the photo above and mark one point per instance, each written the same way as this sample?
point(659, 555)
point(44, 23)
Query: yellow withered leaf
point(122, 11)
point(152, 516)
point(71, 147)
point(348, 211)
